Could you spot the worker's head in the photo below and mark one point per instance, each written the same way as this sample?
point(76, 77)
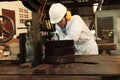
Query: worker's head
point(57, 13)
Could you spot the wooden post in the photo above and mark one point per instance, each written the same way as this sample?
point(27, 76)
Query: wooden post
point(37, 40)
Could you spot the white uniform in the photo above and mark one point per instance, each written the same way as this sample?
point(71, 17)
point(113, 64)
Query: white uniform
point(77, 30)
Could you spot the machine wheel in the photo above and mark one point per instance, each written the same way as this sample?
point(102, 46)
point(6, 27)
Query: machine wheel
point(7, 29)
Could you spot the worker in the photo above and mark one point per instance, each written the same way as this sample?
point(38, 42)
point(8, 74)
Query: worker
point(73, 28)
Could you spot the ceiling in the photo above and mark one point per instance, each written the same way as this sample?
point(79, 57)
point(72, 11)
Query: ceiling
point(73, 3)
point(34, 5)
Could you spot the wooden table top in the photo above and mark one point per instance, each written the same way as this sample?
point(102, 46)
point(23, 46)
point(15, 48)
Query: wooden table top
point(83, 65)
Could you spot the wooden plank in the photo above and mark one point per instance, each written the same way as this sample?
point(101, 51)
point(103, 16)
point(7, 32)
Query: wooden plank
point(50, 77)
point(107, 46)
point(83, 65)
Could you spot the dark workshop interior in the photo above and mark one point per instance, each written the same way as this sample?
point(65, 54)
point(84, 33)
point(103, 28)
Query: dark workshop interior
point(27, 50)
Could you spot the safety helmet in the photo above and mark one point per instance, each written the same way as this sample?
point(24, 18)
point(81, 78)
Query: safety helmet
point(57, 12)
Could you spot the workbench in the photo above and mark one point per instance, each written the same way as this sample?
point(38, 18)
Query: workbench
point(84, 68)
point(106, 48)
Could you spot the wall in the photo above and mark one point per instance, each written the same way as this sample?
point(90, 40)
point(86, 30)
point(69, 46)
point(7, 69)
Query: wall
point(116, 25)
point(16, 6)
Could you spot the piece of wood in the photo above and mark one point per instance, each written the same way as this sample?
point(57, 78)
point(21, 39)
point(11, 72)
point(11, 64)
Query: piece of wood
point(107, 46)
point(84, 65)
point(99, 66)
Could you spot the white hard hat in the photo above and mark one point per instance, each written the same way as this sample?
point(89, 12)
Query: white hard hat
point(57, 12)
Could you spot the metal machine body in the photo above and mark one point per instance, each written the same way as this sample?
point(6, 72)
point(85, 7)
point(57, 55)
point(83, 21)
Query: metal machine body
point(31, 43)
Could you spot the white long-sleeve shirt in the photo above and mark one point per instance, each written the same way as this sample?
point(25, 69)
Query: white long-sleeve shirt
point(77, 30)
